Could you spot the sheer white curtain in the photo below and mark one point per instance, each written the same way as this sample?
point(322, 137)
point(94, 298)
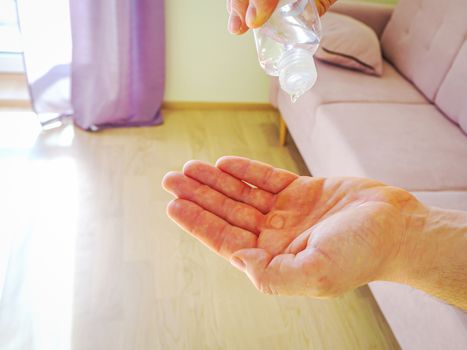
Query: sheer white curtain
point(46, 38)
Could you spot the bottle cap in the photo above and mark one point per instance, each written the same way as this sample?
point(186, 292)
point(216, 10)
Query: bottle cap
point(297, 73)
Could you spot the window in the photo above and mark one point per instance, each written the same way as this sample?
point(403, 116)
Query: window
point(10, 38)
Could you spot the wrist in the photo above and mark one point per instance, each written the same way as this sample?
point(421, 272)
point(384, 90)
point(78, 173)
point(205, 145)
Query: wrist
point(418, 249)
point(432, 255)
point(411, 250)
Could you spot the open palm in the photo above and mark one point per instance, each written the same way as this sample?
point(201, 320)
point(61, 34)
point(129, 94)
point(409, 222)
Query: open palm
point(292, 235)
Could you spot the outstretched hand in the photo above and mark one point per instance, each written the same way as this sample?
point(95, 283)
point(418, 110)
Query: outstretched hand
point(292, 235)
point(245, 14)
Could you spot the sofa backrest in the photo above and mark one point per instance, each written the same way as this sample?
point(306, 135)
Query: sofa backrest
point(423, 39)
point(452, 94)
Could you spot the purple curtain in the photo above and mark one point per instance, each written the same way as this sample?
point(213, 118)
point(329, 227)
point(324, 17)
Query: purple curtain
point(116, 60)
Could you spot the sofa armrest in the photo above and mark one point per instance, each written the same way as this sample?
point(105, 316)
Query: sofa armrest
point(376, 16)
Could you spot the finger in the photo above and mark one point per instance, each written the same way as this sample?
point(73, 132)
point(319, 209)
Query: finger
point(284, 274)
point(236, 213)
point(229, 185)
point(237, 23)
point(256, 173)
point(259, 12)
point(214, 232)
point(299, 243)
point(261, 268)
point(253, 262)
point(324, 5)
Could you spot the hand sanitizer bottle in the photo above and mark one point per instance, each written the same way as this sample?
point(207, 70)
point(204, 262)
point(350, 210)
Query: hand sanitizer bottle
point(286, 45)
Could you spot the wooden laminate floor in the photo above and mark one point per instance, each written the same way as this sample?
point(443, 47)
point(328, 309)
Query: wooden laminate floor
point(89, 260)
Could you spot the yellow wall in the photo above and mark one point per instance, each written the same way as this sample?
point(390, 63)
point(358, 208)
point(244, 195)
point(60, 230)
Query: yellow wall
point(204, 61)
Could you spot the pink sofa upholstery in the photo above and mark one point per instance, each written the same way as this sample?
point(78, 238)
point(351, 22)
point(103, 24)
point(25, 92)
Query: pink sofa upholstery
point(407, 128)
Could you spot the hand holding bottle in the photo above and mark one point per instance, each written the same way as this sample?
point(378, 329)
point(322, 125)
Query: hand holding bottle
point(245, 14)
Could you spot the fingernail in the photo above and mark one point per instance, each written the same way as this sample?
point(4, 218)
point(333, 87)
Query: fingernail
point(235, 23)
point(251, 15)
point(238, 263)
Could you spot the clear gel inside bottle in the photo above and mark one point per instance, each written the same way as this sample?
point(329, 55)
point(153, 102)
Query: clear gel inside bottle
point(286, 45)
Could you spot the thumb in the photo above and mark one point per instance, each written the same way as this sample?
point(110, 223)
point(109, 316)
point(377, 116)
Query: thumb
point(253, 262)
point(324, 5)
point(259, 11)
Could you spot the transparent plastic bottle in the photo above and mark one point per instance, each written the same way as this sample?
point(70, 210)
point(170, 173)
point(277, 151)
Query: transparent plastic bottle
point(286, 45)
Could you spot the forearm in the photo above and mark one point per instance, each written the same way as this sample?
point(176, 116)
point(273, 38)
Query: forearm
point(434, 257)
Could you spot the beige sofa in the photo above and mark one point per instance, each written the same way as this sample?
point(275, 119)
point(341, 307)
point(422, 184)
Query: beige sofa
point(406, 128)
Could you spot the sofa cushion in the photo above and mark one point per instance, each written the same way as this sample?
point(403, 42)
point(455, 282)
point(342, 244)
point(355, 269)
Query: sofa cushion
point(336, 84)
point(419, 321)
point(455, 200)
point(351, 44)
point(452, 95)
point(374, 15)
point(422, 39)
point(410, 146)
